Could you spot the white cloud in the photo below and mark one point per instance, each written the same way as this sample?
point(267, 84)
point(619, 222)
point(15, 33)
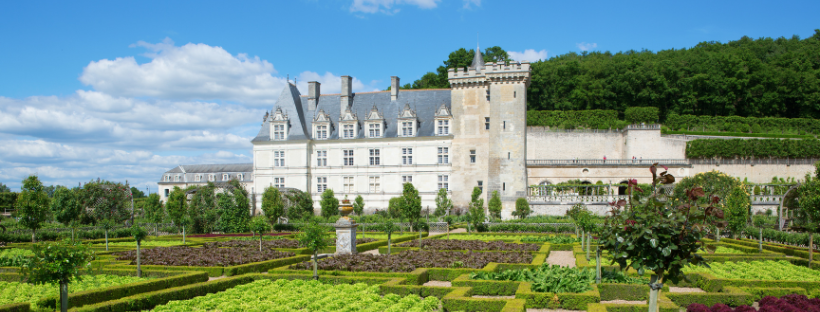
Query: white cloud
point(386, 6)
point(583, 46)
point(528, 55)
point(469, 3)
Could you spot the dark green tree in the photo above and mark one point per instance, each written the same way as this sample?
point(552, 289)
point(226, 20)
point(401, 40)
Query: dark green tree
point(494, 206)
point(299, 204)
point(66, 208)
point(58, 262)
point(272, 204)
point(475, 212)
point(443, 204)
point(32, 205)
point(522, 208)
point(314, 238)
point(358, 205)
point(4, 188)
point(177, 207)
point(411, 203)
point(137, 193)
point(329, 203)
point(154, 211)
point(110, 201)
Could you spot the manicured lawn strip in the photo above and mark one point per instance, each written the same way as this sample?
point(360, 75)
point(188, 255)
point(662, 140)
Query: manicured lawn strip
point(265, 295)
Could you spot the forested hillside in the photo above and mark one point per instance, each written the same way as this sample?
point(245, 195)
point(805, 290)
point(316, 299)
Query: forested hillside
point(749, 77)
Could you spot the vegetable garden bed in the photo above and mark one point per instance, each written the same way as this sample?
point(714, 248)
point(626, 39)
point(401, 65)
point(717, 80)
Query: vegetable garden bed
point(408, 261)
point(205, 256)
point(455, 244)
point(759, 270)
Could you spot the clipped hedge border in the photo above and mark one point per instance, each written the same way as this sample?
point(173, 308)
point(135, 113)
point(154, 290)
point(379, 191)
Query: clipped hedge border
point(610, 291)
point(732, 296)
point(664, 305)
point(774, 247)
point(16, 307)
point(569, 301)
point(487, 287)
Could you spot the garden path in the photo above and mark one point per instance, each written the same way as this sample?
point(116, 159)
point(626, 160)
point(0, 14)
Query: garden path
point(562, 258)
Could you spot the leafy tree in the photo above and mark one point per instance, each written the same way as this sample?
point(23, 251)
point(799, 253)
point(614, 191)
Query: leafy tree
point(58, 262)
point(272, 204)
point(522, 208)
point(139, 233)
point(496, 54)
point(202, 209)
point(234, 209)
point(66, 208)
point(394, 207)
point(808, 198)
point(410, 203)
point(736, 207)
point(314, 238)
point(443, 204)
point(110, 202)
point(177, 206)
point(4, 188)
point(494, 206)
point(260, 225)
point(358, 205)
point(137, 193)
point(712, 183)
point(50, 190)
point(389, 228)
point(299, 204)
point(662, 236)
point(475, 212)
point(32, 205)
point(329, 203)
point(154, 211)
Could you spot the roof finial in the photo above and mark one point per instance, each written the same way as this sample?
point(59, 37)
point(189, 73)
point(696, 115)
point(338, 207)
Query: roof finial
point(478, 59)
point(288, 78)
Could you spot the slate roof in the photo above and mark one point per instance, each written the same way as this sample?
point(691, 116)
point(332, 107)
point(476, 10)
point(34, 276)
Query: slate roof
point(217, 169)
point(424, 102)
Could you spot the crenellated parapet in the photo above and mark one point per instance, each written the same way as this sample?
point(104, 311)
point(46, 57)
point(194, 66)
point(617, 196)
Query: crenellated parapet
point(498, 72)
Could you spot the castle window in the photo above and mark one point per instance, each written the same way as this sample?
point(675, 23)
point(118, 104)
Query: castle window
point(278, 158)
point(167, 191)
point(375, 158)
point(279, 132)
point(279, 182)
point(481, 185)
point(487, 123)
point(407, 156)
point(176, 178)
point(375, 185)
point(443, 155)
point(167, 178)
point(406, 179)
point(321, 184)
point(443, 127)
point(198, 177)
point(504, 125)
point(241, 177)
point(211, 177)
point(504, 186)
point(348, 157)
point(443, 182)
point(349, 131)
point(225, 177)
point(321, 158)
point(472, 156)
point(514, 94)
point(375, 130)
point(321, 132)
point(406, 128)
point(348, 186)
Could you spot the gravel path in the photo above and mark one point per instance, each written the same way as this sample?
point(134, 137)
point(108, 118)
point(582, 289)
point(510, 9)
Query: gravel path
point(438, 284)
point(494, 297)
point(623, 302)
point(553, 310)
point(685, 290)
point(562, 258)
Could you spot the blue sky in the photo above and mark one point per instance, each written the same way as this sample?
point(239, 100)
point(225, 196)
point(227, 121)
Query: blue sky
point(126, 90)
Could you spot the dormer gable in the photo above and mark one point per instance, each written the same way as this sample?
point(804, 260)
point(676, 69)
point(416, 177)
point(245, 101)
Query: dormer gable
point(407, 112)
point(408, 122)
point(375, 114)
point(348, 116)
point(322, 127)
point(443, 111)
point(279, 125)
point(374, 124)
point(348, 124)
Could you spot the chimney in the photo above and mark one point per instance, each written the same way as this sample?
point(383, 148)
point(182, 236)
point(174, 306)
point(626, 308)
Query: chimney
point(347, 96)
point(394, 88)
point(313, 94)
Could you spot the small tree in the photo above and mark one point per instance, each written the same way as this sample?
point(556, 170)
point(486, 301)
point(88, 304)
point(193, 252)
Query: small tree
point(522, 208)
point(58, 262)
point(299, 204)
point(475, 213)
point(443, 204)
point(808, 197)
point(139, 233)
point(329, 203)
point(411, 204)
point(314, 238)
point(111, 204)
point(494, 206)
point(66, 208)
point(389, 228)
point(260, 225)
point(736, 205)
point(394, 207)
point(154, 211)
point(272, 204)
point(358, 205)
point(32, 205)
point(177, 209)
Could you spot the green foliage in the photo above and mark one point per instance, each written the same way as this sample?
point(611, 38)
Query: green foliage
point(443, 203)
point(136, 193)
point(300, 295)
point(202, 209)
point(394, 207)
point(659, 236)
point(314, 237)
point(522, 208)
point(329, 203)
point(234, 209)
point(24, 292)
point(768, 270)
point(746, 77)
point(808, 195)
point(299, 204)
point(494, 206)
point(109, 201)
point(7, 200)
point(153, 209)
point(712, 183)
point(558, 279)
point(65, 206)
point(762, 125)
point(582, 217)
point(14, 257)
point(637, 115)
point(177, 206)
point(475, 212)
point(32, 204)
point(358, 205)
point(139, 233)
point(410, 203)
point(572, 119)
point(737, 205)
point(57, 262)
point(4, 188)
point(758, 148)
point(272, 204)
point(260, 225)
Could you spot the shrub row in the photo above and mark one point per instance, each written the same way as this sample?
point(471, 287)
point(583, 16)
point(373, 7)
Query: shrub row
point(531, 228)
point(591, 119)
point(16, 307)
point(636, 115)
point(46, 235)
point(7, 200)
point(788, 238)
point(665, 130)
point(761, 148)
point(743, 124)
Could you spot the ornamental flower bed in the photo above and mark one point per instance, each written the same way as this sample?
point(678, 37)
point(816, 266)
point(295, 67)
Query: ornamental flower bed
point(457, 244)
point(300, 295)
point(407, 261)
point(188, 256)
point(788, 303)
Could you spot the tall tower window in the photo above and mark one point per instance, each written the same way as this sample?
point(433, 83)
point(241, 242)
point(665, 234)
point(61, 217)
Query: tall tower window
point(487, 123)
point(481, 185)
point(443, 182)
point(472, 156)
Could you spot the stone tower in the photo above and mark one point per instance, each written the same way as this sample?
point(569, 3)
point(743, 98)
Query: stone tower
point(489, 103)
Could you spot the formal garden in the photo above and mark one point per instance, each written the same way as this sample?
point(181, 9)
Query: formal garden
point(673, 245)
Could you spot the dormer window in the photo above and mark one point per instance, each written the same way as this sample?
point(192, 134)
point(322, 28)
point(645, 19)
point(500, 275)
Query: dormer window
point(375, 130)
point(176, 179)
point(348, 122)
point(167, 178)
point(349, 131)
point(279, 125)
point(375, 123)
point(408, 122)
point(225, 177)
point(443, 127)
point(407, 128)
point(211, 177)
point(241, 177)
point(198, 177)
point(321, 132)
point(443, 118)
point(321, 126)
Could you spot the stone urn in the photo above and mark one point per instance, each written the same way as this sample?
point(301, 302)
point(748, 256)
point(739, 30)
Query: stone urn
point(345, 209)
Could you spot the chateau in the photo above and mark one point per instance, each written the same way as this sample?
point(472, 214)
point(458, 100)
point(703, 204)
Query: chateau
point(474, 134)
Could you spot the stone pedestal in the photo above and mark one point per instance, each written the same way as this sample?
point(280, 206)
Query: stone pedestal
point(345, 237)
